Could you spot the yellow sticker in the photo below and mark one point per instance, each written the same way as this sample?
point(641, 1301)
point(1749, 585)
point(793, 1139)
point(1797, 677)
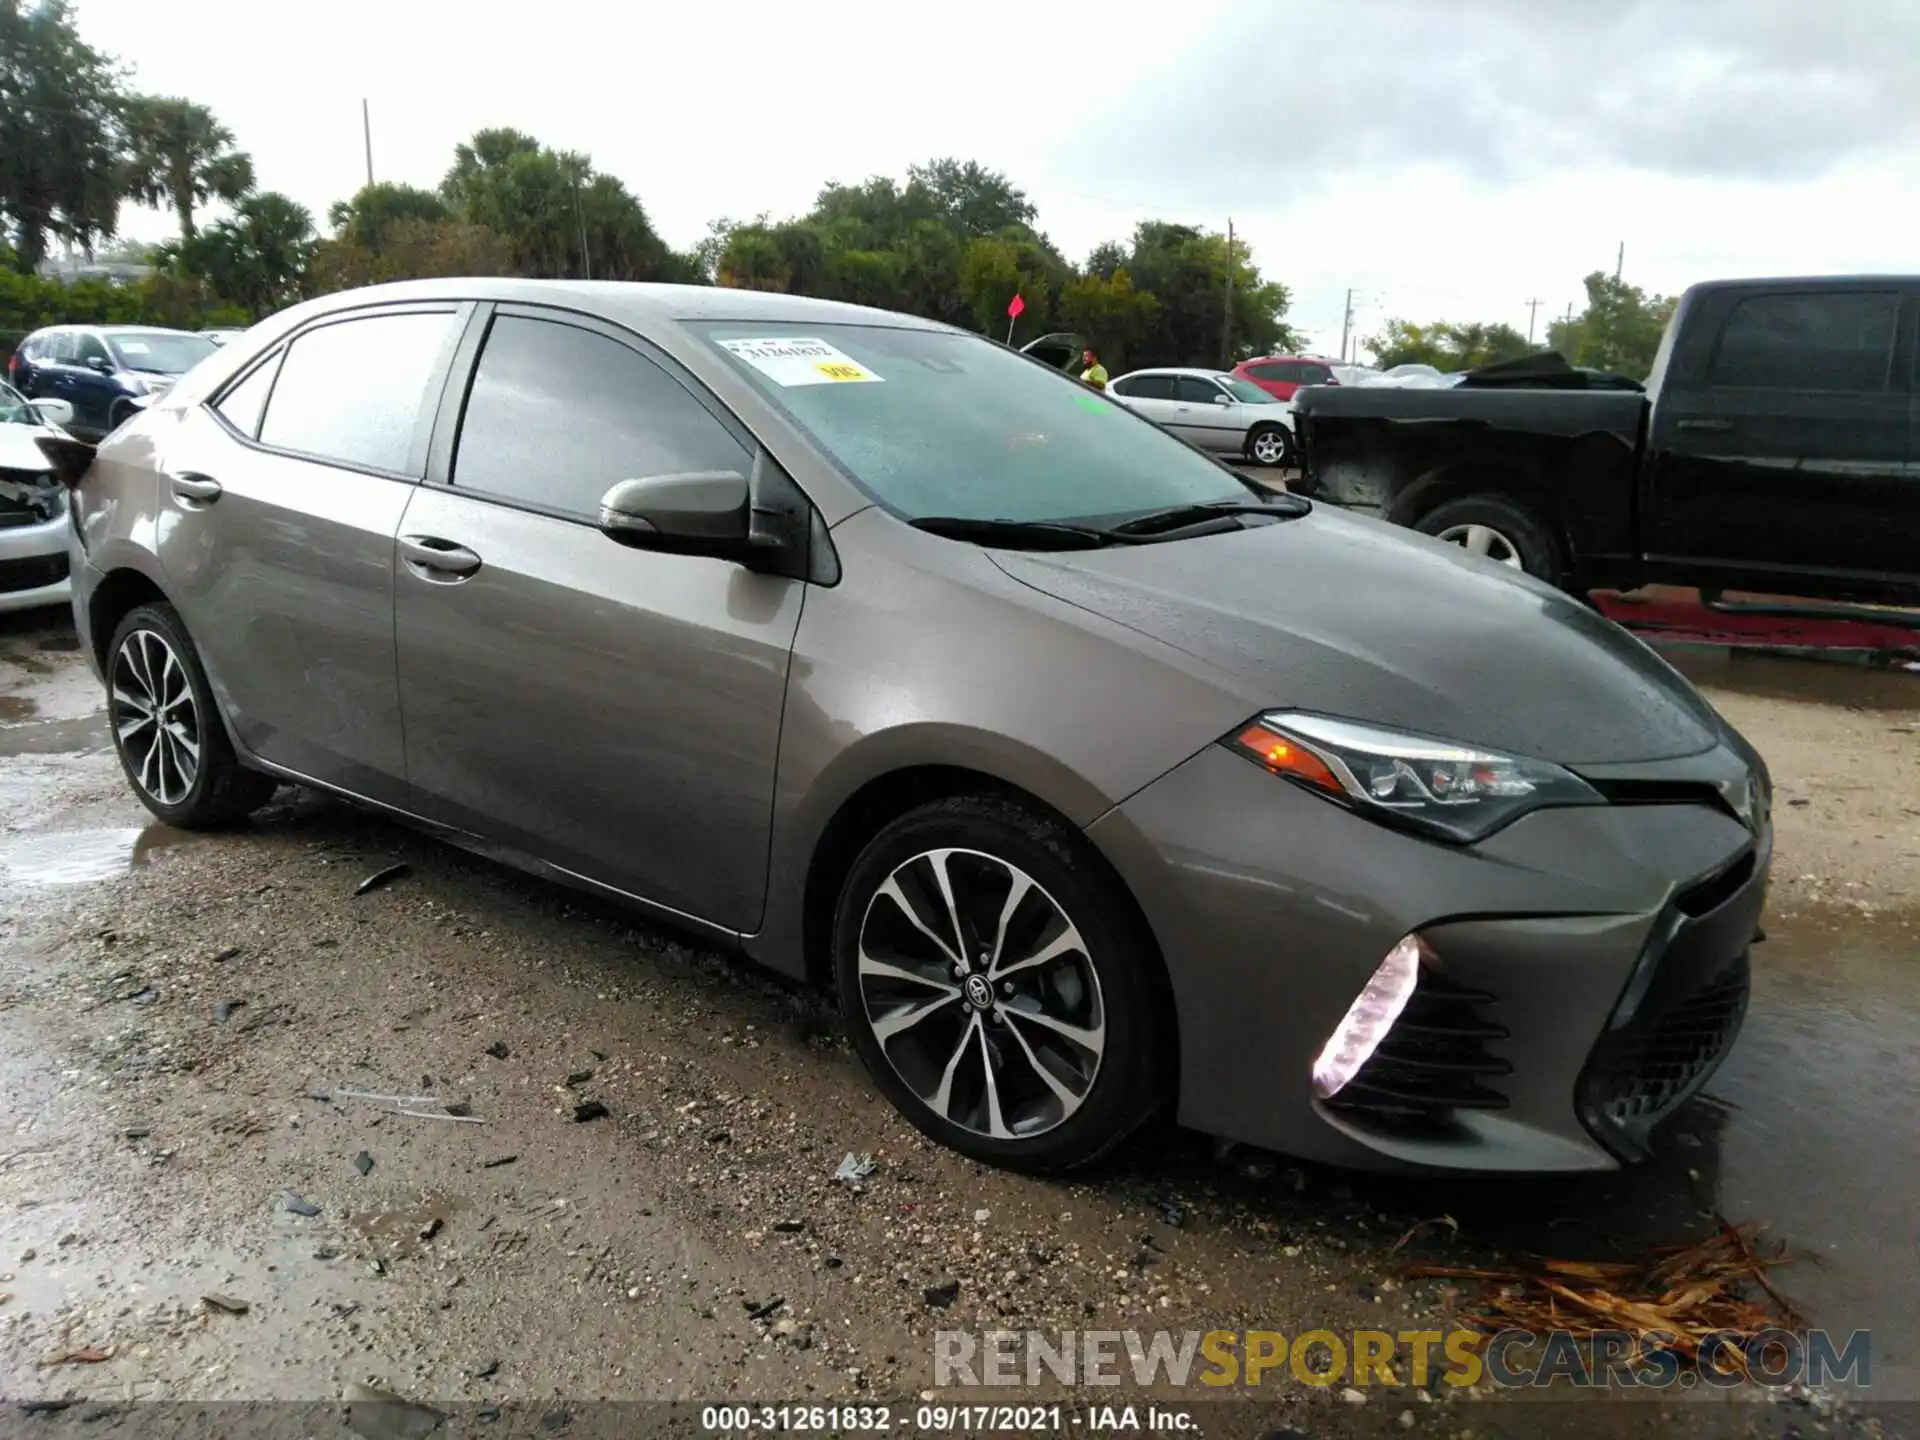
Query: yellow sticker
point(842, 372)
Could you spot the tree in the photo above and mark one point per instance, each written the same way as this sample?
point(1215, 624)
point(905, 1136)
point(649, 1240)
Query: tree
point(258, 259)
point(411, 250)
point(1186, 271)
point(1446, 346)
point(560, 218)
point(973, 200)
point(1620, 330)
point(1114, 318)
point(180, 156)
point(60, 104)
point(375, 209)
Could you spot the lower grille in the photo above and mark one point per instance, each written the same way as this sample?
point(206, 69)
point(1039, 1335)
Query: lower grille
point(1640, 1072)
point(32, 572)
point(1432, 1062)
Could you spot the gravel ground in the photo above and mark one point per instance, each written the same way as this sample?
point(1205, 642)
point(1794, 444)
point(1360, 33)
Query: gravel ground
point(634, 1197)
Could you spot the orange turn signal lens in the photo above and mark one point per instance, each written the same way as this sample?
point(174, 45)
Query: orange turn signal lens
point(1284, 755)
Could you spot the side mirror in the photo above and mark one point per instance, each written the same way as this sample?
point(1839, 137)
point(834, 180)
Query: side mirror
point(100, 365)
point(1222, 399)
point(52, 411)
point(699, 512)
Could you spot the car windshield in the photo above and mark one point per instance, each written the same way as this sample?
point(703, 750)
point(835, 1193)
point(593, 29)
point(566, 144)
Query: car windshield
point(159, 352)
point(933, 422)
point(1246, 391)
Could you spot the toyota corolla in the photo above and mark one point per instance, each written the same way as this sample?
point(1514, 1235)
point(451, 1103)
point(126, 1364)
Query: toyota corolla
point(1097, 780)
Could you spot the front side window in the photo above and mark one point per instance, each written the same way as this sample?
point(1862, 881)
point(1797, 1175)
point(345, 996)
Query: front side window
point(938, 423)
point(87, 349)
point(357, 391)
point(1315, 374)
point(558, 415)
point(1196, 390)
point(1818, 341)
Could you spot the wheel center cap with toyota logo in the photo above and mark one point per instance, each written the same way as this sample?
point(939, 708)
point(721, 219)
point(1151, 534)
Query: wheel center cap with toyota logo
point(979, 992)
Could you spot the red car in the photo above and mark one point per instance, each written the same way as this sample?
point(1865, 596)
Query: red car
point(1281, 375)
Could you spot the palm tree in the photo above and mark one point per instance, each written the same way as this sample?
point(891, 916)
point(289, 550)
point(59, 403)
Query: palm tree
point(179, 155)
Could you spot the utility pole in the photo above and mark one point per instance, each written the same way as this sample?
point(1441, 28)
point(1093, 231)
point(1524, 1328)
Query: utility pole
point(1533, 309)
point(1620, 262)
point(1346, 325)
point(579, 214)
point(366, 132)
point(1226, 319)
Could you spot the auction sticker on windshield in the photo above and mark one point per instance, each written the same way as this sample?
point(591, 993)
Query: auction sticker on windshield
point(800, 360)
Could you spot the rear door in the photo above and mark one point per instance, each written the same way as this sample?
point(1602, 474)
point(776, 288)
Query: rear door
point(1780, 449)
point(280, 501)
point(1152, 396)
point(613, 711)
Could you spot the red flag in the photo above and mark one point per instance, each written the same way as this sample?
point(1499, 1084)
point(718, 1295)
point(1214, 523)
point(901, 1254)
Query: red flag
point(1015, 306)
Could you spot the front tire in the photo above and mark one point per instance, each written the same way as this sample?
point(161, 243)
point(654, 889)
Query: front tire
point(166, 731)
point(997, 986)
point(1497, 529)
point(1270, 445)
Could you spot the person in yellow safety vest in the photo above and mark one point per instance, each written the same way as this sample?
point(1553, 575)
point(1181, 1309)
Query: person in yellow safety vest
point(1093, 372)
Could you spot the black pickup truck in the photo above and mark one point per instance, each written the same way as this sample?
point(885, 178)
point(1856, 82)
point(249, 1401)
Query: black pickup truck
point(1774, 448)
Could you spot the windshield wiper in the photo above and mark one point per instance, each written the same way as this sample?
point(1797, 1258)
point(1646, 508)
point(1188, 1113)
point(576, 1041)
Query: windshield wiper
point(1179, 517)
point(1019, 534)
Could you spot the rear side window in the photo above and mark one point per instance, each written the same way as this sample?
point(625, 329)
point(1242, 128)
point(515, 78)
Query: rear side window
point(1152, 387)
point(55, 349)
point(1821, 341)
point(356, 391)
point(241, 406)
point(1268, 370)
point(558, 415)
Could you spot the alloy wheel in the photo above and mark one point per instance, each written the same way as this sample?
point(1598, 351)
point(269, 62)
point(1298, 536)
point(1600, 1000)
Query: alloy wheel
point(1483, 540)
point(155, 721)
point(981, 994)
point(1270, 447)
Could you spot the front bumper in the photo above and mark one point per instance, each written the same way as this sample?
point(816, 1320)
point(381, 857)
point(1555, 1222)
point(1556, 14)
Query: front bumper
point(34, 568)
point(1590, 974)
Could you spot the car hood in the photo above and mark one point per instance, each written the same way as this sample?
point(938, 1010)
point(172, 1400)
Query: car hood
point(18, 450)
point(1349, 616)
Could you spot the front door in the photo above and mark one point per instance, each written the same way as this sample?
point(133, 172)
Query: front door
point(277, 536)
point(613, 711)
point(1202, 416)
point(94, 386)
point(1779, 448)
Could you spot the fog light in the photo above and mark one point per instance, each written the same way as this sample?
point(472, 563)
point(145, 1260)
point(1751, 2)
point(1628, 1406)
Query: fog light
point(1369, 1018)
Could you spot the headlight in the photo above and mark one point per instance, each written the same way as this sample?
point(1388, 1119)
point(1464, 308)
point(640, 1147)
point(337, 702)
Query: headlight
point(1453, 791)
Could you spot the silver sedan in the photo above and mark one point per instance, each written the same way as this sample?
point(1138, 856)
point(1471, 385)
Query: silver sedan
point(1220, 413)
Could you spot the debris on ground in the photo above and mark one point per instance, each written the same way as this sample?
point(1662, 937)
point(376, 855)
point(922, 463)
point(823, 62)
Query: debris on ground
point(382, 1415)
point(431, 1228)
point(498, 1050)
point(497, 1161)
point(589, 1110)
point(1686, 1291)
point(223, 1012)
point(299, 1205)
point(383, 877)
point(853, 1169)
point(225, 1303)
point(87, 1355)
point(1414, 1229)
point(579, 1077)
point(461, 1112)
point(939, 1297)
point(487, 1371)
point(762, 1311)
point(788, 1227)
point(363, 1162)
point(232, 952)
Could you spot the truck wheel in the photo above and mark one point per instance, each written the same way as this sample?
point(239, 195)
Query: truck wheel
point(1497, 529)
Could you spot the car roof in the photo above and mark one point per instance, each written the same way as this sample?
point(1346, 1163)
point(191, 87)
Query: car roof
point(1177, 370)
point(633, 300)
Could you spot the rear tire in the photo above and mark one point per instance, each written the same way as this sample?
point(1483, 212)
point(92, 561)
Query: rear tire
point(1042, 1065)
point(166, 729)
point(1270, 445)
point(1497, 529)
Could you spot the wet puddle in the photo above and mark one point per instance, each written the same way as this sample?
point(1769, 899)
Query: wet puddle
point(84, 857)
point(16, 708)
point(404, 1232)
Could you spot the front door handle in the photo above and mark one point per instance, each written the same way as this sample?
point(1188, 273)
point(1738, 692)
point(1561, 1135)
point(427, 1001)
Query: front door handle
point(441, 557)
point(201, 488)
point(1716, 427)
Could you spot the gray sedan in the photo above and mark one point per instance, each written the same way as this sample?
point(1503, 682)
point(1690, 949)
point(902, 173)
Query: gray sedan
point(1094, 779)
point(1220, 413)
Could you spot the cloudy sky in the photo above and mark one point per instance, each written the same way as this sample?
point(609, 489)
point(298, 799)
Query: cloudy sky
point(1445, 161)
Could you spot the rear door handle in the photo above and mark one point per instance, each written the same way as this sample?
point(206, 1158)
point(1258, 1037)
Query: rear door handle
point(202, 488)
point(1716, 427)
point(441, 557)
